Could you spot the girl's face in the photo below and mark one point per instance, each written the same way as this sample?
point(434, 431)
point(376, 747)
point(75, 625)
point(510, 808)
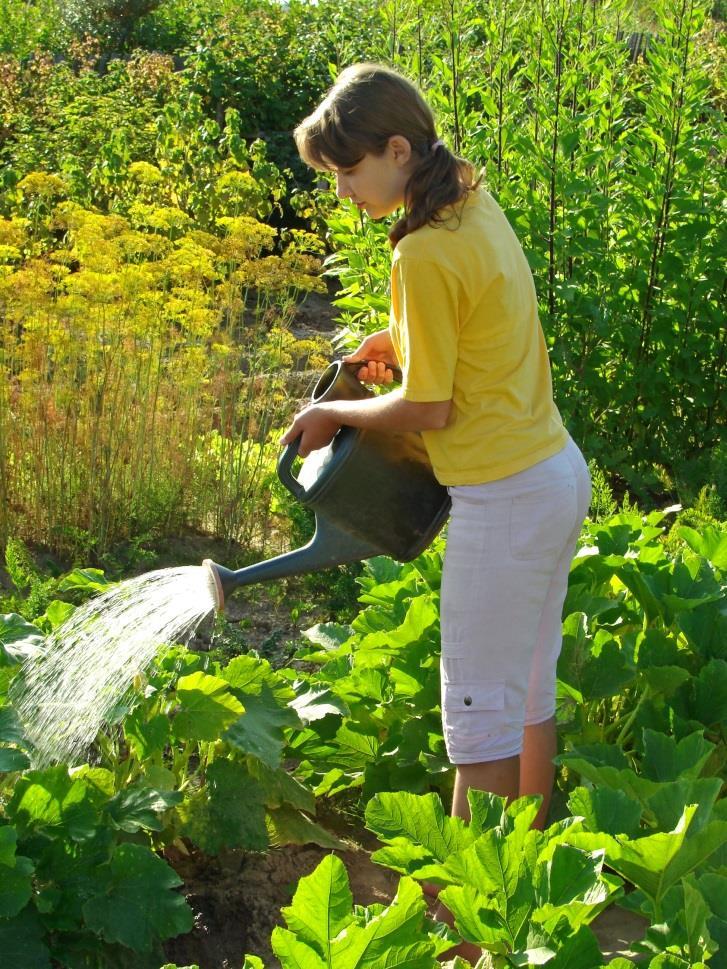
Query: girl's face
point(376, 184)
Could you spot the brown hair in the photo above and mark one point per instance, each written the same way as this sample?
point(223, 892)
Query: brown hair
point(366, 106)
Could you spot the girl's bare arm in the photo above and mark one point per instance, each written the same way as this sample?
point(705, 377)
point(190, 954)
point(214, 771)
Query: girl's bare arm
point(388, 412)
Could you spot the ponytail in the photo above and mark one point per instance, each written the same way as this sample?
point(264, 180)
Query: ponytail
point(440, 180)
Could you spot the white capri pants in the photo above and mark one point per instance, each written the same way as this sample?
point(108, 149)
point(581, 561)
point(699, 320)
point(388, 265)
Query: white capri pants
point(509, 548)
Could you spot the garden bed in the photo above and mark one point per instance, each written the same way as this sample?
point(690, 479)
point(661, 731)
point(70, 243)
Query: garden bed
point(237, 897)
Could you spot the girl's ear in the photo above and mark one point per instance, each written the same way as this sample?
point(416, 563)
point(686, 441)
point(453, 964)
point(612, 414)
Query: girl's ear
point(400, 149)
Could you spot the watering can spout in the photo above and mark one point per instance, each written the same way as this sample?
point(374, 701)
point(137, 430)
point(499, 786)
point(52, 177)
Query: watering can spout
point(329, 546)
point(223, 580)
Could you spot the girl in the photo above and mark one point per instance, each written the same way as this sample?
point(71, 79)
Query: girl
point(464, 329)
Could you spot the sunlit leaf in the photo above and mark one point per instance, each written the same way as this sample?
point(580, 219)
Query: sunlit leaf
point(18, 639)
point(666, 759)
point(139, 808)
point(260, 729)
point(206, 707)
point(606, 809)
point(321, 907)
point(286, 825)
point(316, 703)
point(51, 799)
point(399, 818)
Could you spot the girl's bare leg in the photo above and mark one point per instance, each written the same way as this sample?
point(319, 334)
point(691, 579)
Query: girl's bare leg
point(537, 770)
point(496, 776)
point(499, 777)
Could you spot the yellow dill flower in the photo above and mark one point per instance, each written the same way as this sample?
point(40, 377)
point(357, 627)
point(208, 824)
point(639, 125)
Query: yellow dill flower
point(200, 238)
point(13, 232)
point(43, 185)
point(167, 218)
point(298, 240)
point(96, 287)
point(245, 237)
point(9, 254)
point(96, 253)
point(240, 194)
point(221, 348)
point(136, 246)
point(190, 264)
point(142, 173)
point(135, 280)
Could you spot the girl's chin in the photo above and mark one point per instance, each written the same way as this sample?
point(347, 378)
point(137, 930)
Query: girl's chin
point(375, 212)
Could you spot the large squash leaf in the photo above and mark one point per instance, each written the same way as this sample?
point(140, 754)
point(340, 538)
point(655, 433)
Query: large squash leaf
point(206, 707)
point(324, 930)
point(21, 941)
point(52, 799)
point(137, 904)
point(259, 730)
point(18, 639)
point(15, 875)
point(228, 812)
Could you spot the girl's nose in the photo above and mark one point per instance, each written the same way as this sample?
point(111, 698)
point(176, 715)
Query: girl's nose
point(342, 188)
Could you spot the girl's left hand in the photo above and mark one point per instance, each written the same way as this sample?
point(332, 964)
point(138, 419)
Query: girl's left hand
point(316, 427)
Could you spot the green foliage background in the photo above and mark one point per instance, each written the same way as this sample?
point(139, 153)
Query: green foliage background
point(598, 126)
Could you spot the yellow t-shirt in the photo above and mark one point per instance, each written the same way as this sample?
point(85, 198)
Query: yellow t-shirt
point(464, 323)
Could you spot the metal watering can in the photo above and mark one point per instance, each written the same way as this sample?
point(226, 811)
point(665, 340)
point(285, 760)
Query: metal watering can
point(372, 493)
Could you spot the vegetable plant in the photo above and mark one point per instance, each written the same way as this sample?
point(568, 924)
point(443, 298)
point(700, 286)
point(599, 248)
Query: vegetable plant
point(191, 758)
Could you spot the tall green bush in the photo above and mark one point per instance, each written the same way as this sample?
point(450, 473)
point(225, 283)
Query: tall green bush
point(25, 27)
point(605, 159)
point(112, 21)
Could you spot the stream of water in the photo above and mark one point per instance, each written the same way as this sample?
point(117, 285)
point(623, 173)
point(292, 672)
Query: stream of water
point(65, 692)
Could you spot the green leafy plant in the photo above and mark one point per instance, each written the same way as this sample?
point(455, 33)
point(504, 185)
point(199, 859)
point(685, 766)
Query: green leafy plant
point(191, 757)
point(519, 893)
point(643, 634)
point(325, 928)
point(603, 163)
point(75, 886)
point(383, 673)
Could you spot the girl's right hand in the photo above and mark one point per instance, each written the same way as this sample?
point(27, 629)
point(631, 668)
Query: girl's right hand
point(375, 352)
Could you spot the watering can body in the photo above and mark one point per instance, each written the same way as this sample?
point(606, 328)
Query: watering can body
point(372, 493)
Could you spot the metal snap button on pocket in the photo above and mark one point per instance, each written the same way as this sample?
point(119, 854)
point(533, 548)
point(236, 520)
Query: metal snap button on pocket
point(468, 701)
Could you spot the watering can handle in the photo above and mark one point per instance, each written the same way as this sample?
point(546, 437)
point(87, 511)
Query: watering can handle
point(290, 452)
point(285, 468)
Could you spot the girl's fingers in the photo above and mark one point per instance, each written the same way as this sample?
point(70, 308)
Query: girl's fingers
point(371, 371)
point(376, 372)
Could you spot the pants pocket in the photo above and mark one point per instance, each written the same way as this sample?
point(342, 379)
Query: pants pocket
point(472, 712)
point(542, 521)
point(467, 698)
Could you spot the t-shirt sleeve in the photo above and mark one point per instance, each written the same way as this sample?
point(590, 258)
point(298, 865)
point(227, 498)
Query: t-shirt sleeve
point(424, 305)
